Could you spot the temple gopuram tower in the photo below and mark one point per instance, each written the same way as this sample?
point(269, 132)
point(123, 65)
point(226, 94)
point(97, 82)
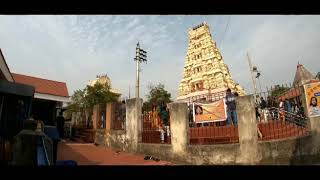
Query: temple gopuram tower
point(205, 72)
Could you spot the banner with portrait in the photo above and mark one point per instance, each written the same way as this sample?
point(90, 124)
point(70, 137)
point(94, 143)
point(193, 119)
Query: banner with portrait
point(313, 99)
point(213, 112)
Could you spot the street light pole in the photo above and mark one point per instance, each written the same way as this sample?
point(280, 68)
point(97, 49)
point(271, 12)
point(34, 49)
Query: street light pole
point(141, 56)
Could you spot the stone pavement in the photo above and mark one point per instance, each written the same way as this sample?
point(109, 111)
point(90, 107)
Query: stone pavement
point(89, 154)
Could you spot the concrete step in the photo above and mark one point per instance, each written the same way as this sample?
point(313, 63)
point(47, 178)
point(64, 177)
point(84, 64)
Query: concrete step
point(77, 140)
point(82, 140)
point(82, 136)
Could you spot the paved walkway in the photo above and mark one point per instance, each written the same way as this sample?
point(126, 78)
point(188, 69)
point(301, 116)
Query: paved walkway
point(89, 154)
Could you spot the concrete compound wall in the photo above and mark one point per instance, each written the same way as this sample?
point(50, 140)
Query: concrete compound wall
point(125, 140)
point(133, 123)
point(293, 151)
point(303, 150)
point(247, 128)
point(115, 139)
point(197, 155)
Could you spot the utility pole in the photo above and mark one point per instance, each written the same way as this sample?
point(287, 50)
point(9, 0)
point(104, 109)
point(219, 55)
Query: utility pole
point(253, 77)
point(129, 92)
point(258, 76)
point(141, 56)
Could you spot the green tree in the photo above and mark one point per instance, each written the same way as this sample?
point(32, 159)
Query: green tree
point(278, 90)
point(77, 103)
point(90, 96)
point(98, 94)
point(157, 94)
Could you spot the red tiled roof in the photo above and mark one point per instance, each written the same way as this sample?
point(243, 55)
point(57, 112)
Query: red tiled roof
point(1, 54)
point(43, 86)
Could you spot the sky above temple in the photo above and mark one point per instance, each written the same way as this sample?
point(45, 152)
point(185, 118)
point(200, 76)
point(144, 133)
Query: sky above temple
point(74, 49)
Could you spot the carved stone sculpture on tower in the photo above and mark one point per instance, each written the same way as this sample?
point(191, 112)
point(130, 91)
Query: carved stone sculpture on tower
point(204, 66)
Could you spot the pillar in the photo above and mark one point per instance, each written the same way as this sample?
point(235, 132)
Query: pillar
point(247, 128)
point(133, 122)
point(109, 116)
point(179, 124)
point(95, 116)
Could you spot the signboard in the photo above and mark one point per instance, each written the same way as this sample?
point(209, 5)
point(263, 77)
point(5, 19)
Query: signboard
point(213, 112)
point(313, 99)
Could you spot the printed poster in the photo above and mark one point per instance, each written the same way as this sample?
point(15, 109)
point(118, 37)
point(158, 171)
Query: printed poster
point(212, 112)
point(313, 99)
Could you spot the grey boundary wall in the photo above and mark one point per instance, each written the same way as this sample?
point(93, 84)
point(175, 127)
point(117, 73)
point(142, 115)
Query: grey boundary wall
point(249, 151)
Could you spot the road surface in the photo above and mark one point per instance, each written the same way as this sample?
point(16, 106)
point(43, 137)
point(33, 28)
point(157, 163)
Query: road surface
point(89, 154)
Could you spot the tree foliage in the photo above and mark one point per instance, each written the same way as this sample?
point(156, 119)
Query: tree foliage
point(90, 96)
point(278, 90)
point(77, 103)
point(98, 94)
point(157, 94)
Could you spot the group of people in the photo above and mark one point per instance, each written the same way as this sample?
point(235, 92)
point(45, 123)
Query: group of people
point(270, 109)
point(159, 116)
point(278, 109)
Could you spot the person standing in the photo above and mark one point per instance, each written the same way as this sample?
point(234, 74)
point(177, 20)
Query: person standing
point(287, 105)
point(287, 108)
point(263, 105)
point(154, 117)
point(60, 125)
point(102, 126)
point(164, 116)
point(281, 110)
point(231, 108)
point(274, 112)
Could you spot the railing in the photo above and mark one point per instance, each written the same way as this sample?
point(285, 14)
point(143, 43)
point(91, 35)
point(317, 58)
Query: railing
point(153, 129)
point(102, 116)
point(118, 125)
point(214, 131)
point(276, 123)
point(213, 134)
point(118, 117)
point(280, 113)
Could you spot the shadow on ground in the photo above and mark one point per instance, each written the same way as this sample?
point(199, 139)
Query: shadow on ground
point(69, 152)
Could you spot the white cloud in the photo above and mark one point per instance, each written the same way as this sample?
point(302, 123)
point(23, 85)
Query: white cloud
point(75, 49)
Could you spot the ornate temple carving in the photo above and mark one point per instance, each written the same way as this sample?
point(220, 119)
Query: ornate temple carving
point(204, 67)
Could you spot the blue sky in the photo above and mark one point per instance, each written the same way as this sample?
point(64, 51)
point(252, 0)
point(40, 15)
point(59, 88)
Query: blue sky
point(74, 49)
